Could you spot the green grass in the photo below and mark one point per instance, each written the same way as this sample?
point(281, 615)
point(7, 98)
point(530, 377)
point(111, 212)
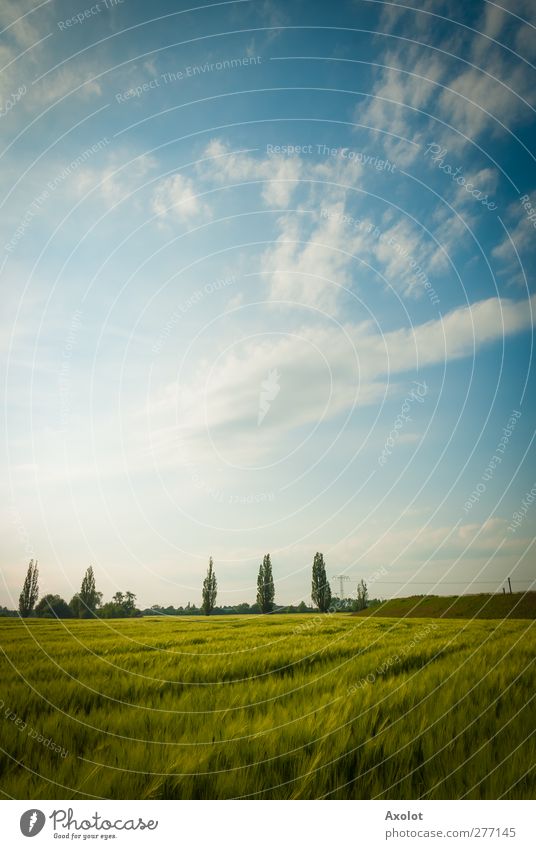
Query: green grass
point(478, 606)
point(268, 707)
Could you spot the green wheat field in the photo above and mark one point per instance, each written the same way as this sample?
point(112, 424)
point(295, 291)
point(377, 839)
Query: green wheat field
point(278, 707)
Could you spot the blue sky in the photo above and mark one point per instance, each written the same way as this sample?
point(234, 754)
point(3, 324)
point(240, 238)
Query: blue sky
point(267, 285)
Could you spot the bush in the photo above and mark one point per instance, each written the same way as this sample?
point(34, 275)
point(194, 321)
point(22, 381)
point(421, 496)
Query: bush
point(53, 607)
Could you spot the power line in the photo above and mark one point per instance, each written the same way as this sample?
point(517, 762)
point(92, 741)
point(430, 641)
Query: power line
point(411, 583)
point(439, 582)
point(341, 579)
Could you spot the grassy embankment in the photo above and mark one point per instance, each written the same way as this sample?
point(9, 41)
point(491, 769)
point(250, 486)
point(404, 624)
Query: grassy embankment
point(478, 606)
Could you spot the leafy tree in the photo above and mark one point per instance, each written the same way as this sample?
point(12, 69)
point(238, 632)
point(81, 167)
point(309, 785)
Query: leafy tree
point(122, 606)
point(111, 610)
point(362, 595)
point(210, 590)
point(265, 586)
point(342, 605)
point(302, 607)
point(30, 590)
point(76, 606)
point(129, 602)
point(53, 606)
point(321, 591)
point(88, 595)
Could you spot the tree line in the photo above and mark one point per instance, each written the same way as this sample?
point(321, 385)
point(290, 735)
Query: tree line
point(320, 589)
point(87, 602)
point(84, 604)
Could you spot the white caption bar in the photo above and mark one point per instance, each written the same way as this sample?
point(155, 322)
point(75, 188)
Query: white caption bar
point(239, 824)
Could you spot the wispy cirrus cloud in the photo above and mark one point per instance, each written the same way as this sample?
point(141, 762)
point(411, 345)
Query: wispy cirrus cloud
point(325, 372)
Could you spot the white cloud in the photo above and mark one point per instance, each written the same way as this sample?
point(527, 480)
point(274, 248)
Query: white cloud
point(485, 181)
point(476, 99)
point(120, 175)
point(525, 43)
point(312, 259)
point(324, 371)
point(406, 545)
point(280, 175)
point(176, 195)
point(28, 49)
point(395, 97)
point(18, 24)
point(469, 99)
point(521, 233)
point(308, 265)
point(465, 329)
point(65, 80)
point(409, 438)
point(309, 259)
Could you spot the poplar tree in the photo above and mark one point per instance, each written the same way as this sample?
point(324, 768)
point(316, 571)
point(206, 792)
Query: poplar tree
point(88, 596)
point(321, 590)
point(362, 595)
point(210, 590)
point(30, 590)
point(265, 586)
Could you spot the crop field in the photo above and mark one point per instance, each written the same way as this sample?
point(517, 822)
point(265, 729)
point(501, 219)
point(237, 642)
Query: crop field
point(292, 707)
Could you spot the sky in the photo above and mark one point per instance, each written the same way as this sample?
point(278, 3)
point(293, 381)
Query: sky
point(266, 278)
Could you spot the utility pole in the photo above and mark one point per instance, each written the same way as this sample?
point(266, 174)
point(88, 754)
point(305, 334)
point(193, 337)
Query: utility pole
point(341, 579)
point(504, 591)
point(510, 585)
